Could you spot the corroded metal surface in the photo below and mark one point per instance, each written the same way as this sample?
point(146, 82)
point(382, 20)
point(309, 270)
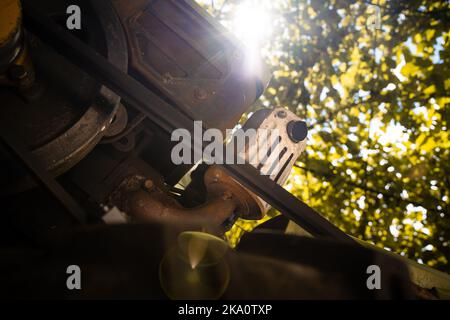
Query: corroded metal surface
point(181, 51)
point(142, 200)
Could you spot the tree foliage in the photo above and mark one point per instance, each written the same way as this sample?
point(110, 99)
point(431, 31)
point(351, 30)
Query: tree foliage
point(377, 104)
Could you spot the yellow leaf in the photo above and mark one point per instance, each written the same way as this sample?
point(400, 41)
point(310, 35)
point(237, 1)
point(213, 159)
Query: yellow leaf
point(418, 38)
point(410, 69)
point(430, 33)
point(430, 145)
point(312, 14)
point(421, 139)
point(430, 90)
point(272, 91)
point(334, 80)
point(447, 84)
point(346, 21)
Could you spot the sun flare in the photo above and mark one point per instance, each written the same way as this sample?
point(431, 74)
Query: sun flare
point(252, 24)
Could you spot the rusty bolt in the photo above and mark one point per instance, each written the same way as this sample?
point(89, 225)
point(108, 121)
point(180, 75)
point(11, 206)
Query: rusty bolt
point(148, 184)
point(200, 94)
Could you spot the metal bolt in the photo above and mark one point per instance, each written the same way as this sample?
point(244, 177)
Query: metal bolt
point(200, 93)
point(281, 114)
point(148, 184)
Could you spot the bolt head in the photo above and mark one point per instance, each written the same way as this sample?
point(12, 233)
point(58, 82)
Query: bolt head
point(281, 114)
point(200, 93)
point(148, 184)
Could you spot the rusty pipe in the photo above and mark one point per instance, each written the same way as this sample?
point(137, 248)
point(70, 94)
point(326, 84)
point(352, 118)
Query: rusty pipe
point(142, 205)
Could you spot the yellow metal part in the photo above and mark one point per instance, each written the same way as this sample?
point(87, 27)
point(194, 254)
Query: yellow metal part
point(13, 50)
point(10, 20)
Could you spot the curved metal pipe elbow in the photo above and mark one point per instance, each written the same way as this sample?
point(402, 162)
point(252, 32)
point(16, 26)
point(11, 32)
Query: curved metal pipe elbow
point(145, 206)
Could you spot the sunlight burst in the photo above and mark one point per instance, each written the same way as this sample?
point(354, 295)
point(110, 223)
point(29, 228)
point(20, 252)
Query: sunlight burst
point(252, 24)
